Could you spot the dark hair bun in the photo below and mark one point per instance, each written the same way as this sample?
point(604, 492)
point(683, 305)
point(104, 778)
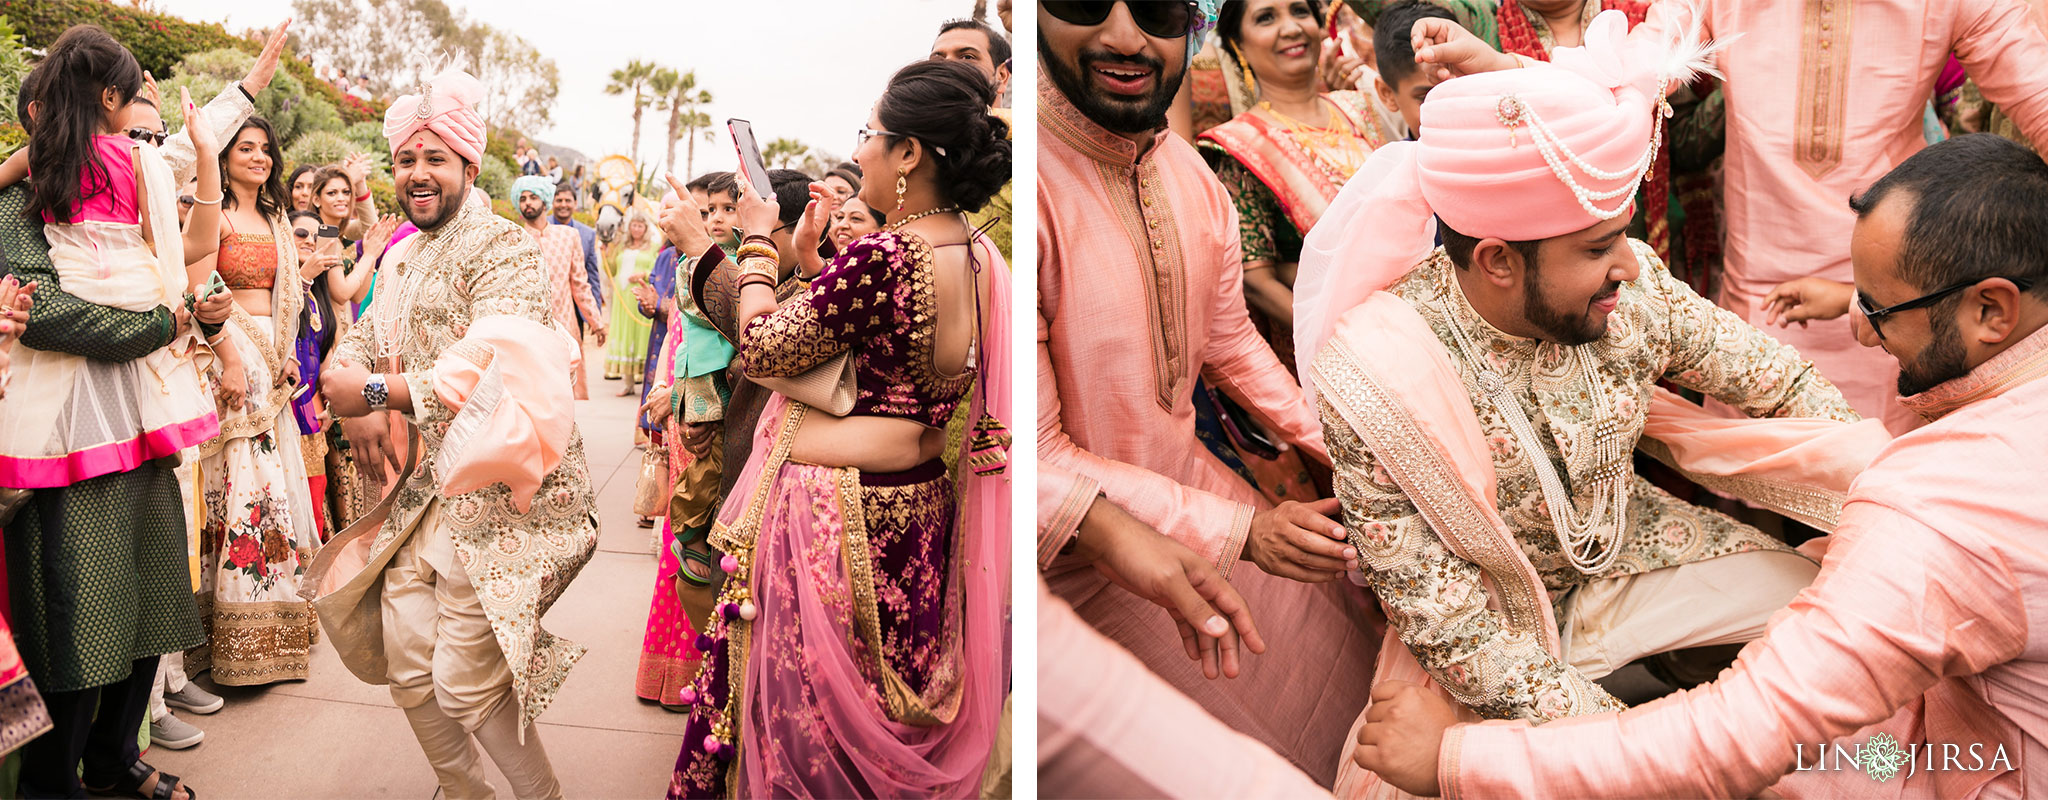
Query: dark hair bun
point(945, 104)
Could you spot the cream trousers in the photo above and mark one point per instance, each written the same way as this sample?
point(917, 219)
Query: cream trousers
point(449, 675)
point(1720, 601)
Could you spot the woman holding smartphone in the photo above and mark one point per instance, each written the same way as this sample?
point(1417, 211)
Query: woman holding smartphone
point(884, 674)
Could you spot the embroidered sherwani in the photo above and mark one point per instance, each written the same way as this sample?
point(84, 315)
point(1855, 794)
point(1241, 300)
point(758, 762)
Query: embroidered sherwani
point(1927, 605)
point(1140, 293)
point(1825, 97)
point(1439, 600)
point(474, 266)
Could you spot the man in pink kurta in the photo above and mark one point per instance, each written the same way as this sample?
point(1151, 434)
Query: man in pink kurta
point(1926, 620)
point(1139, 295)
point(561, 255)
point(1824, 97)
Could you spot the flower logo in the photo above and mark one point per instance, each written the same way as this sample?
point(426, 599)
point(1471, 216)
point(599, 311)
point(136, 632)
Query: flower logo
point(1882, 757)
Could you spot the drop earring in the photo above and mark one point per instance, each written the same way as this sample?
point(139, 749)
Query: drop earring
point(902, 185)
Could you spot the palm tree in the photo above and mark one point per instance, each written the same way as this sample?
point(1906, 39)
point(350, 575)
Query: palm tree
point(679, 95)
point(781, 153)
point(633, 78)
point(692, 122)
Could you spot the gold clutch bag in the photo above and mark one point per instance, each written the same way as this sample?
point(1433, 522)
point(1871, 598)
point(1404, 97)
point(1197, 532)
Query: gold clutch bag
point(828, 387)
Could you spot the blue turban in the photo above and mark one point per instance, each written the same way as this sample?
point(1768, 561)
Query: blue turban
point(541, 187)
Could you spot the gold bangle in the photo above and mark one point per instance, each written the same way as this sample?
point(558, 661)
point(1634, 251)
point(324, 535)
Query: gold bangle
point(756, 279)
point(758, 250)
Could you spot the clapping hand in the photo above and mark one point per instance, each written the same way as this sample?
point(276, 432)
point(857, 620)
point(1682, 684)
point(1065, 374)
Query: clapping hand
point(265, 67)
point(811, 227)
point(205, 143)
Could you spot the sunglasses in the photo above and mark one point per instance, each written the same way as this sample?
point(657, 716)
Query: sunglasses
point(146, 135)
point(187, 200)
point(301, 233)
point(1160, 20)
point(1923, 301)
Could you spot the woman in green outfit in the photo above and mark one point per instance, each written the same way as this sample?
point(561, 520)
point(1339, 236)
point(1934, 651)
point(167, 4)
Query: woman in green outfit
point(628, 260)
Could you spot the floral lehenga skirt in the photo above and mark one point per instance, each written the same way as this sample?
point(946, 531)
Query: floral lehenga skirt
point(259, 537)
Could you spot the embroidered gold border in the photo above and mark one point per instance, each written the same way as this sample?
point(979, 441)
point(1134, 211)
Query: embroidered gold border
point(1823, 85)
point(1817, 507)
point(903, 703)
point(1165, 269)
point(738, 542)
point(1420, 469)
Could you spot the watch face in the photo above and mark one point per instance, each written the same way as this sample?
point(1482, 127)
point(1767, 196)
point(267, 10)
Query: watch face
point(375, 393)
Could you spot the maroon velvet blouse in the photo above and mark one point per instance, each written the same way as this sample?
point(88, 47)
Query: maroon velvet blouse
point(878, 299)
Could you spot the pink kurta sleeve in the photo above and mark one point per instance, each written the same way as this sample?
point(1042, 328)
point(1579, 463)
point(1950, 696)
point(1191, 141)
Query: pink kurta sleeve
point(1110, 727)
point(2003, 50)
point(1208, 524)
point(1243, 365)
point(580, 279)
point(1897, 608)
point(1063, 500)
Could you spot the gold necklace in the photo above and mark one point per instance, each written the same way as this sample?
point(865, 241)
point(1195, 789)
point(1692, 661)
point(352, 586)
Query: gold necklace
point(921, 215)
point(1333, 148)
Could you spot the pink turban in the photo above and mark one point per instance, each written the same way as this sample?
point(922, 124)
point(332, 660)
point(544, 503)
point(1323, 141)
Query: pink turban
point(445, 105)
point(1522, 155)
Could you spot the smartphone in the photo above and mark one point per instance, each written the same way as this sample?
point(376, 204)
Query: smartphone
point(750, 156)
point(329, 232)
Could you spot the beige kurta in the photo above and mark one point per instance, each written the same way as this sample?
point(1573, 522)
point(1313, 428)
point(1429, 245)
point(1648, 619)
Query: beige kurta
point(473, 266)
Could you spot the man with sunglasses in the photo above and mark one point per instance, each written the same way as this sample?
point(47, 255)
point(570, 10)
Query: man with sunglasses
point(1924, 622)
point(1140, 294)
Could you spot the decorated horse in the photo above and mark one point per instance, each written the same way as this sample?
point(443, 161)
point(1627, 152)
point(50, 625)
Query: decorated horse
point(617, 196)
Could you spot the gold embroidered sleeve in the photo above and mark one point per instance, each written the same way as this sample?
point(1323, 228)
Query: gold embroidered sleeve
point(507, 278)
point(360, 343)
point(1716, 352)
point(1437, 602)
point(852, 299)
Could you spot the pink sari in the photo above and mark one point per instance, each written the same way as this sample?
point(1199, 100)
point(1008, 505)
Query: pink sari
point(821, 711)
point(668, 658)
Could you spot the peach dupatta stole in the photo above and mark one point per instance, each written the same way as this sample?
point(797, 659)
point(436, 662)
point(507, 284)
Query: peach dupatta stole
point(1389, 378)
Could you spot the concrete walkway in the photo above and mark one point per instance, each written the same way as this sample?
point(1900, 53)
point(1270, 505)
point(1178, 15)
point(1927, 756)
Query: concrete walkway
point(336, 737)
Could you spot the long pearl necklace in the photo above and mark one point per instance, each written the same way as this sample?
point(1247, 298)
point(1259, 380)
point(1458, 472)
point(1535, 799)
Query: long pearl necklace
point(1591, 543)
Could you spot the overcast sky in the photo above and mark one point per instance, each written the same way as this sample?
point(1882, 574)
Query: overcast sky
point(804, 69)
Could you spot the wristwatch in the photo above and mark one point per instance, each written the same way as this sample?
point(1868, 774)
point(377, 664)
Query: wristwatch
point(376, 393)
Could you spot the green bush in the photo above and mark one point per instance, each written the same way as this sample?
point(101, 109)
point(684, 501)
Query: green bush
point(12, 137)
point(291, 111)
point(160, 41)
point(319, 148)
point(497, 176)
point(13, 68)
point(203, 88)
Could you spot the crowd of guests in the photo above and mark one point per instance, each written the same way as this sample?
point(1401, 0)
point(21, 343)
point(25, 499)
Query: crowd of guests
point(252, 368)
point(1410, 282)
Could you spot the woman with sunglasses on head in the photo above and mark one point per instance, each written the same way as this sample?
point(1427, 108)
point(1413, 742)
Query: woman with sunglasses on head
point(261, 528)
point(883, 675)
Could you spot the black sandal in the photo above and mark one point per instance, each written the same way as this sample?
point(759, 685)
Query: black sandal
point(139, 774)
